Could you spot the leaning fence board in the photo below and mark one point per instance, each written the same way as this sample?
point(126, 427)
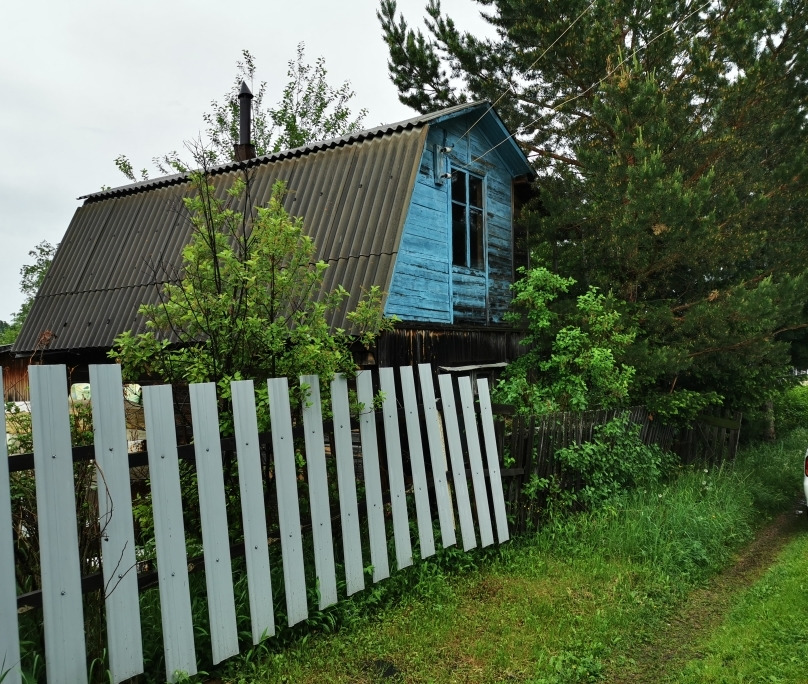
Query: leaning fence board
point(346, 482)
point(458, 464)
point(492, 459)
point(250, 481)
point(9, 634)
point(422, 511)
point(372, 474)
point(283, 451)
point(437, 456)
point(476, 461)
point(124, 643)
point(446, 437)
point(169, 532)
point(395, 469)
point(213, 513)
point(318, 493)
point(58, 537)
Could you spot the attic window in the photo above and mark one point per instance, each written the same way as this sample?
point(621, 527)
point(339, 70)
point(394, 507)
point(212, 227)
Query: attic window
point(468, 230)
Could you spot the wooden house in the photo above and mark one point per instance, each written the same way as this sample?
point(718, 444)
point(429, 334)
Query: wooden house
point(423, 208)
point(15, 375)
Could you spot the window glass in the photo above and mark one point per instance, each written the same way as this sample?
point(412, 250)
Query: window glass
point(459, 187)
point(475, 192)
point(476, 242)
point(468, 227)
point(458, 234)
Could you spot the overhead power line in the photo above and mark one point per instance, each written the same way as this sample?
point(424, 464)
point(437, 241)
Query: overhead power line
point(594, 85)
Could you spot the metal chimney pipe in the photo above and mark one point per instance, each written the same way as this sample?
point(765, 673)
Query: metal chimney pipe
point(244, 149)
point(245, 114)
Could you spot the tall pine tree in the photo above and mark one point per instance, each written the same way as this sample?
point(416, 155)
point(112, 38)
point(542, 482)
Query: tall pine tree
point(670, 141)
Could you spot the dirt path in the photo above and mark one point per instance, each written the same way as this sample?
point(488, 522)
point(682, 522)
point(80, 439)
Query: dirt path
point(680, 641)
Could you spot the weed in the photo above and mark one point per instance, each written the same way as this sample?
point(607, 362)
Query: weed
point(580, 666)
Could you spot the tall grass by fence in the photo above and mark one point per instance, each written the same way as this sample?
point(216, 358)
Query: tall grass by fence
point(350, 506)
point(529, 446)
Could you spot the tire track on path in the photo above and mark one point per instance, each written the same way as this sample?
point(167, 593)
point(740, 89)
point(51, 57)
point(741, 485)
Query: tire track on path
point(681, 638)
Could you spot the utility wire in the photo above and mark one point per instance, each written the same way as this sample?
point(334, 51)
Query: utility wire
point(595, 85)
point(535, 62)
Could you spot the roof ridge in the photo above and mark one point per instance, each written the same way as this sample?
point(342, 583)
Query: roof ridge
point(310, 148)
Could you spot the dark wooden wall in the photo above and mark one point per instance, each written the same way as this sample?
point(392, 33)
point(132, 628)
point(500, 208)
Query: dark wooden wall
point(448, 345)
point(15, 377)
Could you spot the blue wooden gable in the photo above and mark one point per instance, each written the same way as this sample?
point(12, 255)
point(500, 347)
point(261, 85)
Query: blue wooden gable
point(455, 260)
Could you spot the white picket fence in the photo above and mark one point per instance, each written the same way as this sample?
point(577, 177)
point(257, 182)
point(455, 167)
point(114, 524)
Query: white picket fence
point(65, 658)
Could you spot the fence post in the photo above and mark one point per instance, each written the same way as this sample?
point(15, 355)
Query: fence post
point(346, 481)
point(458, 465)
point(437, 456)
point(65, 659)
point(250, 481)
point(115, 522)
point(492, 458)
point(372, 475)
point(395, 469)
point(318, 492)
point(476, 461)
point(169, 532)
point(213, 512)
point(9, 629)
point(283, 452)
point(422, 510)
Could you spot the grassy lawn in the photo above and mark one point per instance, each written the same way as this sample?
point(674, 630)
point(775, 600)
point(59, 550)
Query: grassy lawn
point(581, 599)
point(762, 638)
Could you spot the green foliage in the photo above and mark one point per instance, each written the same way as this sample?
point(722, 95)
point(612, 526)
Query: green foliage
point(682, 406)
point(31, 277)
point(366, 318)
point(791, 408)
point(309, 109)
point(615, 461)
point(571, 363)
point(249, 303)
point(581, 665)
point(670, 142)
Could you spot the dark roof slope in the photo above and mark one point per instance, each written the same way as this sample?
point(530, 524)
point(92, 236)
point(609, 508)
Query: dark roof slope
point(353, 193)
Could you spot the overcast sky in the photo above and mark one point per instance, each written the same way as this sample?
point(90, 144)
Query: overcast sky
point(84, 81)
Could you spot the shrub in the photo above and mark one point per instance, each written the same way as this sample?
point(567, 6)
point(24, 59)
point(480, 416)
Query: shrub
point(614, 461)
point(791, 408)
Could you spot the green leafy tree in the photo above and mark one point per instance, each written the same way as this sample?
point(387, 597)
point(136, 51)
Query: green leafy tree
point(246, 303)
point(670, 141)
point(309, 109)
point(31, 277)
point(573, 359)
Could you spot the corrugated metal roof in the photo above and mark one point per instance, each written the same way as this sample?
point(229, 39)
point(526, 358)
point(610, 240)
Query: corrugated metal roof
point(352, 192)
point(121, 246)
point(349, 139)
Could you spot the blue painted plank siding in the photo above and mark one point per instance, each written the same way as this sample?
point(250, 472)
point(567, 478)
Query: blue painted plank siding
point(425, 286)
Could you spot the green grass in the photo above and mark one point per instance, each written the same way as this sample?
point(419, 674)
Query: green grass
point(569, 604)
point(763, 637)
point(575, 602)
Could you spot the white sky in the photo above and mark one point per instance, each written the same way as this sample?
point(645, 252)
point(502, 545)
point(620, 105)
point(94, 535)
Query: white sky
point(84, 81)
